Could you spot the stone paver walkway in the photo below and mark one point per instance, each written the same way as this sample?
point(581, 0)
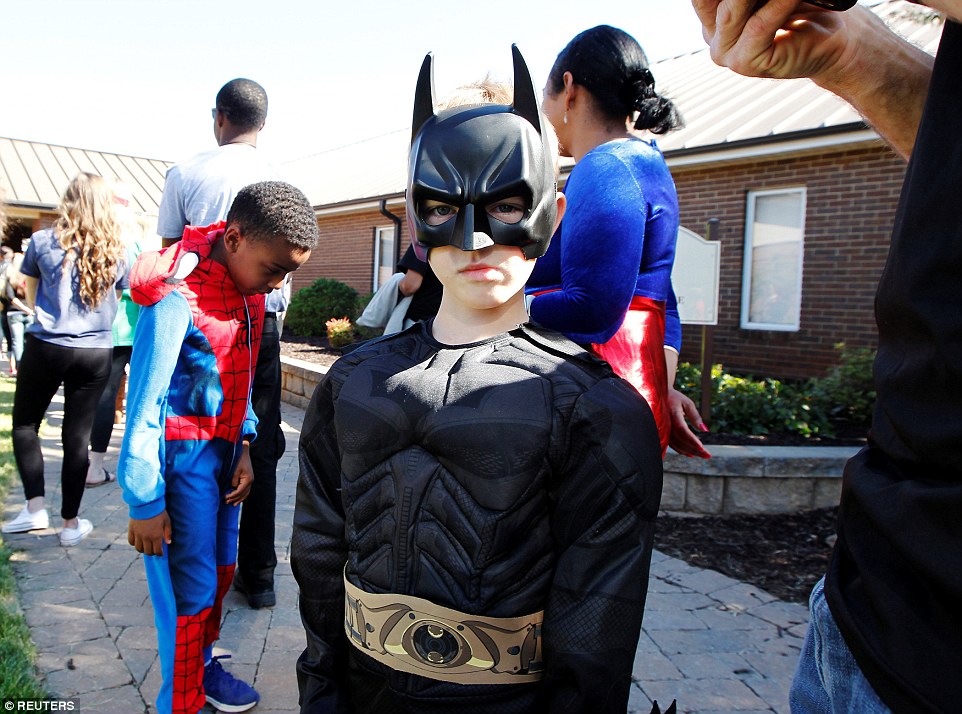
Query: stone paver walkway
point(713, 643)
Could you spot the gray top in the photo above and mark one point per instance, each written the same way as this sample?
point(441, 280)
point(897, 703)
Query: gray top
point(61, 316)
point(200, 190)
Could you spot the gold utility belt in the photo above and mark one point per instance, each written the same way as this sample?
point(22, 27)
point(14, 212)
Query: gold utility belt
point(414, 635)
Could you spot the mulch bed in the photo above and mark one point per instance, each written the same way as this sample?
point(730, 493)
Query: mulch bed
point(783, 554)
point(310, 349)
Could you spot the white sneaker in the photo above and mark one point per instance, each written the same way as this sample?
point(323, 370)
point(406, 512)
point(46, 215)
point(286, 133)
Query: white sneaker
point(72, 536)
point(27, 521)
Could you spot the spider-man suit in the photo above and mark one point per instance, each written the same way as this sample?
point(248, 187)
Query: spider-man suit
point(188, 410)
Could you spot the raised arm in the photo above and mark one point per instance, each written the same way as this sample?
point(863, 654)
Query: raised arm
point(851, 54)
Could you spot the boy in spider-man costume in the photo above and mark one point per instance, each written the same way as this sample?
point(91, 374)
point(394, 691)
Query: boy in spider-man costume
point(184, 465)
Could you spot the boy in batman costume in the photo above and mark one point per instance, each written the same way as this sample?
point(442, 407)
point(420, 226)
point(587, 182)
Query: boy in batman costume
point(475, 508)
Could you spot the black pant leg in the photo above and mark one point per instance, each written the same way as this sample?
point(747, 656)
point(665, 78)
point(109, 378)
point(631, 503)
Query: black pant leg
point(83, 384)
point(256, 557)
point(39, 377)
point(104, 418)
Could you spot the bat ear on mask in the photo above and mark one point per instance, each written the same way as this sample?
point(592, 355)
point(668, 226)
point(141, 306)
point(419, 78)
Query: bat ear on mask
point(525, 99)
point(424, 96)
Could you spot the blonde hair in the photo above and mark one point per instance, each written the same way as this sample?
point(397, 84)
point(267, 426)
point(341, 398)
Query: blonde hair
point(90, 234)
point(491, 91)
point(483, 91)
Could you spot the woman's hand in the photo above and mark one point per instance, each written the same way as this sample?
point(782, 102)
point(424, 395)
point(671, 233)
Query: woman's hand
point(682, 438)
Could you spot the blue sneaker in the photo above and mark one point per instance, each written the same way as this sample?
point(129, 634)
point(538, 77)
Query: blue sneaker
point(224, 691)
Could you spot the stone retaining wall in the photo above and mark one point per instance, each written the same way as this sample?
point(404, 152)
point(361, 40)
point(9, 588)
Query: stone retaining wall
point(737, 479)
point(298, 379)
point(755, 479)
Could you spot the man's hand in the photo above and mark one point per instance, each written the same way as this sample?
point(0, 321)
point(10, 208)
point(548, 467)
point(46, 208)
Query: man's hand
point(851, 54)
point(776, 38)
point(149, 535)
point(242, 479)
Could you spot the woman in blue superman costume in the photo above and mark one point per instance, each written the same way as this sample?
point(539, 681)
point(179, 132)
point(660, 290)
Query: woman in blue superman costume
point(606, 278)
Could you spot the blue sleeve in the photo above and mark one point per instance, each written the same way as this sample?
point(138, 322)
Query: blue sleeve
point(28, 266)
point(249, 429)
point(171, 217)
point(158, 337)
point(672, 321)
point(604, 234)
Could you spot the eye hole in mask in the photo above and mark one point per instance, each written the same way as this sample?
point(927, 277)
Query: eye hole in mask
point(508, 210)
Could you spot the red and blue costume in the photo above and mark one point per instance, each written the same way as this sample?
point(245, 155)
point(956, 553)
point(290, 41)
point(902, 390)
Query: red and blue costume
point(188, 411)
point(605, 280)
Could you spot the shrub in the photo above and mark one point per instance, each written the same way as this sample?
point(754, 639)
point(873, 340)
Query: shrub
point(340, 332)
point(847, 392)
point(313, 306)
point(744, 405)
point(816, 407)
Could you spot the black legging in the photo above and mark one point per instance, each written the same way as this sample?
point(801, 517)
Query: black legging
point(107, 407)
point(83, 373)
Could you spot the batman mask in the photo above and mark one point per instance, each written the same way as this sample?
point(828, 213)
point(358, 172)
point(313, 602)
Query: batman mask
point(471, 158)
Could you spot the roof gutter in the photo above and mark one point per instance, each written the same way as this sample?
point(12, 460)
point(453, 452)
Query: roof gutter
point(397, 233)
point(853, 134)
point(334, 209)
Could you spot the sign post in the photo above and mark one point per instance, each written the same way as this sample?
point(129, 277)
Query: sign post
point(695, 278)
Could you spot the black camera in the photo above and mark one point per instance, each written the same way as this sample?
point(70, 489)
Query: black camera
point(833, 4)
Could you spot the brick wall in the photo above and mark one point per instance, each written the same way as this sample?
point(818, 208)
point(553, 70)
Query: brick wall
point(346, 250)
point(850, 207)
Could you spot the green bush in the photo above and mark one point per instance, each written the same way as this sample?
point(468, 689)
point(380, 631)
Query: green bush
point(847, 392)
point(313, 306)
point(815, 407)
point(745, 406)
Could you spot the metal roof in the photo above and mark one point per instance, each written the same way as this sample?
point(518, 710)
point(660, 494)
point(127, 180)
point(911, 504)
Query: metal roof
point(35, 175)
point(375, 167)
point(721, 109)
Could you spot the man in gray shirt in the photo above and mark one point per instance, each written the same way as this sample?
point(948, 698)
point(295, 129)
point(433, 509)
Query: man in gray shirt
point(198, 192)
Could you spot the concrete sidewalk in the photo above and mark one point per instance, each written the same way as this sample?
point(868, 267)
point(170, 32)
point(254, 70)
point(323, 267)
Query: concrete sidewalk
point(713, 643)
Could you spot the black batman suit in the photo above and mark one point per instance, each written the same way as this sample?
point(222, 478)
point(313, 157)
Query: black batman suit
point(498, 479)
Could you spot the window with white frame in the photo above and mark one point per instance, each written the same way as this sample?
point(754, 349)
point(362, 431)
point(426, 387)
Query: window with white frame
point(384, 252)
point(772, 272)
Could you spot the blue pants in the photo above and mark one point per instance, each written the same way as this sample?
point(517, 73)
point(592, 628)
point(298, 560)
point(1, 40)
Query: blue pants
point(827, 678)
point(188, 583)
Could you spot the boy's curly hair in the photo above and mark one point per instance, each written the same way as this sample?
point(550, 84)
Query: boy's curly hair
point(271, 209)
